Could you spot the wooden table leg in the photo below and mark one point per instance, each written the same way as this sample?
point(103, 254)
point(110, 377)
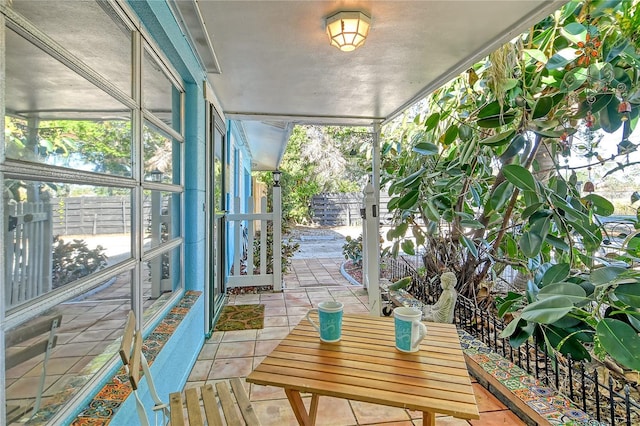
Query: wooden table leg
point(428, 419)
point(313, 410)
point(298, 408)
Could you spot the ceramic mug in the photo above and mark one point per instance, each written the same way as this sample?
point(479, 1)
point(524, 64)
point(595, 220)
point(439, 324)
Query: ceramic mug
point(409, 329)
point(330, 318)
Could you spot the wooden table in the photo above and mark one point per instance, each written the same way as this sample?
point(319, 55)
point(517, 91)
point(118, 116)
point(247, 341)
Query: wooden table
point(365, 366)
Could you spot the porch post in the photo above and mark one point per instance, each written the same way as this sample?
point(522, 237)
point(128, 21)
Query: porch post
point(277, 237)
point(372, 240)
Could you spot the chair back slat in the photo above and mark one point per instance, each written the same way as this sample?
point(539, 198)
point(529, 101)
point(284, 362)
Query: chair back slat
point(228, 407)
point(211, 410)
point(175, 407)
point(134, 365)
point(127, 338)
point(246, 408)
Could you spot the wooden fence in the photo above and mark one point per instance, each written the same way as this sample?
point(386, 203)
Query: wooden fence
point(27, 269)
point(343, 208)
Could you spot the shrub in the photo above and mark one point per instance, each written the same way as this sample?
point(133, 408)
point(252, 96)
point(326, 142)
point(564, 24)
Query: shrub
point(74, 260)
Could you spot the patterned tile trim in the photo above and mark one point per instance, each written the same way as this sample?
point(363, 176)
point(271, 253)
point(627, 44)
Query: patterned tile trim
point(100, 410)
point(544, 400)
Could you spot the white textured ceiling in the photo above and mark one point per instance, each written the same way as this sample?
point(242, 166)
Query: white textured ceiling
point(276, 64)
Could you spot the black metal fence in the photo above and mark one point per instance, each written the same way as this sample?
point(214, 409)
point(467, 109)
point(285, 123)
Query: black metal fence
point(591, 388)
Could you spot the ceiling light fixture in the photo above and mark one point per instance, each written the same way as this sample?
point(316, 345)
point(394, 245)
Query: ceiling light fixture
point(348, 30)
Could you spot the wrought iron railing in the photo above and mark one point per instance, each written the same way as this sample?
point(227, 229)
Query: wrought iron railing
point(598, 393)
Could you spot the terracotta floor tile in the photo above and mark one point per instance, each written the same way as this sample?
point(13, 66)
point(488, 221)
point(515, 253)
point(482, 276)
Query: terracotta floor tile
point(276, 311)
point(231, 367)
point(276, 321)
point(276, 412)
point(450, 421)
point(332, 411)
point(208, 351)
point(200, 370)
point(271, 333)
point(235, 349)
point(373, 413)
point(297, 310)
point(239, 335)
point(257, 360)
point(497, 418)
point(486, 401)
point(264, 347)
point(260, 393)
point(401, 423)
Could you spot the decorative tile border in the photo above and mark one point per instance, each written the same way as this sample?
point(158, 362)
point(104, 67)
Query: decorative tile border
point(544, 400)
point(100, 410)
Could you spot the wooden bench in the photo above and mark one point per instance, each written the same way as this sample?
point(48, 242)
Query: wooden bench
point(133, 360)
point(231, 404)
point(44, 346)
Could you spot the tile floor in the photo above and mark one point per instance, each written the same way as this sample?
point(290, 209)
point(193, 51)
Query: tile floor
point(236, 353)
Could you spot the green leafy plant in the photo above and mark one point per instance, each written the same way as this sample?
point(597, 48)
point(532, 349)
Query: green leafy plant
point(73, 260)
point(477, 181)
point(352, 249)
point(289, 248)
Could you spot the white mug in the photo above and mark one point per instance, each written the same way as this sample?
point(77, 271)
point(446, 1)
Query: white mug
point(330, 318)
point(409, 329)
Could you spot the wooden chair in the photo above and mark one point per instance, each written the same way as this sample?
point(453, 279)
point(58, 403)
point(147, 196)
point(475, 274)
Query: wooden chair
point(133, 359)
point(228, 402)
point(44, 346)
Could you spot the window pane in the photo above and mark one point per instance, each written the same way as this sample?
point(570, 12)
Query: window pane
point(56, 117)
point(96, 146)
point(159, 95)
point(58, 233)
point(161, 217)
point(161, 155)
point(86, 336)
point(161, 275)
point(106, 48)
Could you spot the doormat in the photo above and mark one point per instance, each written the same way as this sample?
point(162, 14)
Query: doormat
point(240, 317)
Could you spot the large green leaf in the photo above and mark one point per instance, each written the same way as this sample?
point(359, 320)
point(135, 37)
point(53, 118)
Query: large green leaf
point(408, 247)
point(431, 211)
point(518, 142)
point(536, 54)
point(629, 294)
point(450, 135)
point(501, 195)
point(556, 274)
point(530, 243)
point(557, 243)
point(574, 32)
point(496, 121)
point(609, 118)
point(432, 121)
point(522, 334)
point(601, 205)
point(468, 243)
point(574, 292)
point(542, 107)
point(519, 176)
point(412, 180)
point(498, 139)
point(425, 148)
point(408, 201)
point(566, 343)
point(605, 275)
point(491, 109)
point(547, 311)
point(620, 341)
point(562, 58)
